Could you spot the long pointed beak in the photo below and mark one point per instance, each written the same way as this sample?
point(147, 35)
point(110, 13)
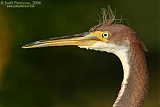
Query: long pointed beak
point(82, 39)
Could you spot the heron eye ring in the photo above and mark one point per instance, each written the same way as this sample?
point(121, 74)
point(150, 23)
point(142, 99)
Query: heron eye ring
point(105, 35)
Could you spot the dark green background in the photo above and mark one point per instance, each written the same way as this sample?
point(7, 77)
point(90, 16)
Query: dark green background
point(69, 76)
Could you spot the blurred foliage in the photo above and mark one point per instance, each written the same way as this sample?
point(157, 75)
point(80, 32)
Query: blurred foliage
point(69, 76)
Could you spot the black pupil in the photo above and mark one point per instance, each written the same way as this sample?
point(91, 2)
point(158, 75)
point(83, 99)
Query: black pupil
point(105, 34)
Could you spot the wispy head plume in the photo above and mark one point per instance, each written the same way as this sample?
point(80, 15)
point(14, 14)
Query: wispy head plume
point(106, 18)
point(107, 15)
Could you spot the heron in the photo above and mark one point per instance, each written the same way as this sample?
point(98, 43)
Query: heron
point(121, 40)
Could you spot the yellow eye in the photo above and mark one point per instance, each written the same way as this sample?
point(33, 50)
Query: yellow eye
point(105, 35)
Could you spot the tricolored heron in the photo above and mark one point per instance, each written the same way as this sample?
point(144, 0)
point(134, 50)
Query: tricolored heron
point(120, 40)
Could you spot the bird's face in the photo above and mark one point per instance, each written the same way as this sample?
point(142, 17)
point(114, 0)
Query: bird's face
point(98, 39)
point(82, 39)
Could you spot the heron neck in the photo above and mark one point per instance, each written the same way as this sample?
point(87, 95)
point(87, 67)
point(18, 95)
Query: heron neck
point(134, 86)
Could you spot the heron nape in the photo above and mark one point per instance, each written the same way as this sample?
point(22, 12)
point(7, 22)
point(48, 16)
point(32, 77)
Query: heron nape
point(121, 40)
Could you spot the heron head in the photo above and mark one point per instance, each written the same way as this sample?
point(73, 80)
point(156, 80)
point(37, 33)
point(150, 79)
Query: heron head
point(106, 36)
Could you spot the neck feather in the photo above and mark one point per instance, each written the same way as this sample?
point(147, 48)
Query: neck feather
point(134, 86)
